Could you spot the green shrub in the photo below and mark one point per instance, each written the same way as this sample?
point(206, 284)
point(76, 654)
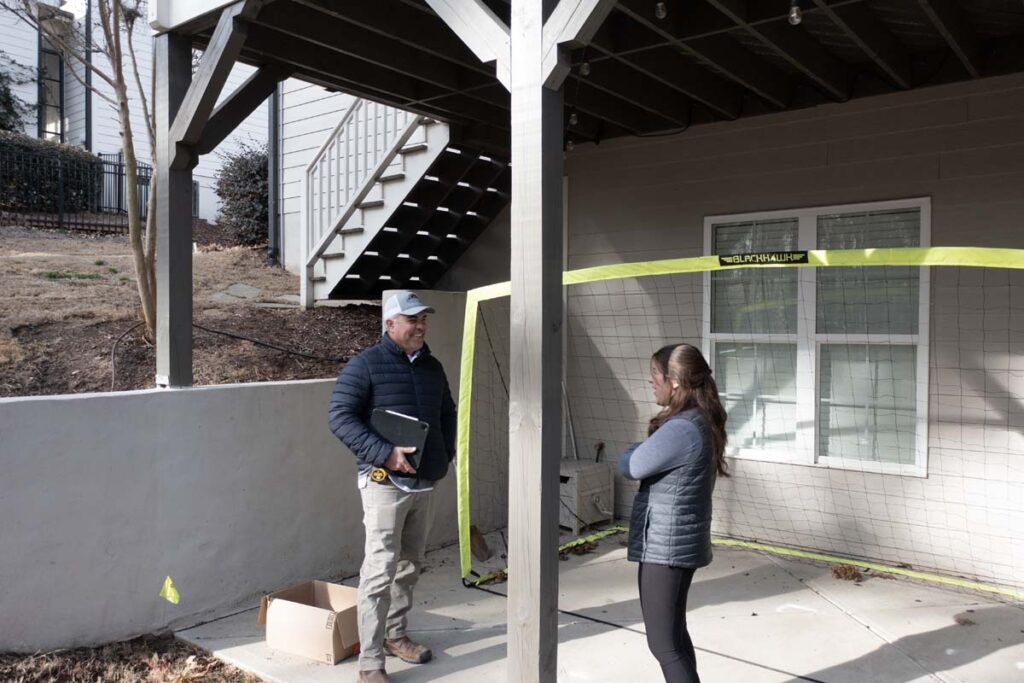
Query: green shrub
point(242, 186)
point(35, 175)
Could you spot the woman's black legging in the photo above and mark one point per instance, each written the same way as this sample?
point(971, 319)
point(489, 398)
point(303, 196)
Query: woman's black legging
point(663, 593)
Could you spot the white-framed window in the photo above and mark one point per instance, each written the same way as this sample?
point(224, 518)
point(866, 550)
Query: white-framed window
point(822, 366)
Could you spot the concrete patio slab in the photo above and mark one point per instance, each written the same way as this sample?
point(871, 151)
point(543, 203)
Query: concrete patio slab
point(753, 617)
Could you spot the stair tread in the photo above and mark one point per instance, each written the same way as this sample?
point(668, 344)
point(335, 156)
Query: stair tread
point(413, 147)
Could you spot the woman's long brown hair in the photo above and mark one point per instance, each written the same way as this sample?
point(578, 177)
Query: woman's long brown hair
point(685, 365)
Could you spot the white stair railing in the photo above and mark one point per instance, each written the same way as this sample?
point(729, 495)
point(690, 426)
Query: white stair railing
point(353, 158)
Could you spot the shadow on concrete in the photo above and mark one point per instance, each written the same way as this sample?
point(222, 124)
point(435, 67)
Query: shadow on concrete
point(993, 629)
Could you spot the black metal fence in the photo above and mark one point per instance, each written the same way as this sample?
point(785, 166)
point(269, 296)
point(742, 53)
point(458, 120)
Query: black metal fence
point(72, 193)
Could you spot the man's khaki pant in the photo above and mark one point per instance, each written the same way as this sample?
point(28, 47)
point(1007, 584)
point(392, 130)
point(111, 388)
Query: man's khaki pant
point(396, 525)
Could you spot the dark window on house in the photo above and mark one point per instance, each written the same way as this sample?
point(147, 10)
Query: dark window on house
point(51, 93)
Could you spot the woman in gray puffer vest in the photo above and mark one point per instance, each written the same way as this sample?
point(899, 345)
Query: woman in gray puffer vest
point(670, 528)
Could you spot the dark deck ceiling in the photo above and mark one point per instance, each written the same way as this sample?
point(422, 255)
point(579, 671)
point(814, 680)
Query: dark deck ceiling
point(705, 61)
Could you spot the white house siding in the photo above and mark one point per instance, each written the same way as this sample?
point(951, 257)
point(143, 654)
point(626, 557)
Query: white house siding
point(252, 131)
point(962, 145)
point(21, 44)
point(107, 137)
point(106, 130)
point(308, 114)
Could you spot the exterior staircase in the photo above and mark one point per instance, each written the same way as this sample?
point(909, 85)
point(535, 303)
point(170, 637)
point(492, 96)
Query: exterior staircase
point(390, 201)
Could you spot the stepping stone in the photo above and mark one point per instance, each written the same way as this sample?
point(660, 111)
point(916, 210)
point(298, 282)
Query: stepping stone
point(225, 298)
point(244, 291)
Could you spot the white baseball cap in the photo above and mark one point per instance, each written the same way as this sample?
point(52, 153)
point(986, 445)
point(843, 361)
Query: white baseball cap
point(405, 303)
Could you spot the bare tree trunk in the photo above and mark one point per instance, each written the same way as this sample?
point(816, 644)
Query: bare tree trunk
point(147, 292)
point(112, 18)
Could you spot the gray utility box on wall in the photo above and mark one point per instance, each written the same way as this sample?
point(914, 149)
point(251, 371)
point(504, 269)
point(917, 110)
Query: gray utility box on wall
point(587, 493)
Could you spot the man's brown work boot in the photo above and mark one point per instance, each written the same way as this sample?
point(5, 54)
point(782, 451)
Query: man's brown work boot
point(407, 651)
point(375, 676)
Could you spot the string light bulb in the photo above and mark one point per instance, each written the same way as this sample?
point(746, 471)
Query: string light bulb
point(660, 11)
point(569, 146)
point(585, 69)
point(573, 119)
point(796, 15)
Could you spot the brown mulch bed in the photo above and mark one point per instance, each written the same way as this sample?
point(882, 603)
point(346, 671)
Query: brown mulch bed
point(67, 300)
point(154, 659)
point(75, 357)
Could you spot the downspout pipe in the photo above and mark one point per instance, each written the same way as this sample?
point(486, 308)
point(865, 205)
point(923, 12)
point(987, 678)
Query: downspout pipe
point(273, 178)
point(88, 76)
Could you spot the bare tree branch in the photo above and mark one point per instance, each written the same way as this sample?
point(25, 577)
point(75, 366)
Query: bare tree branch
point(96, 91)
point(150, 123)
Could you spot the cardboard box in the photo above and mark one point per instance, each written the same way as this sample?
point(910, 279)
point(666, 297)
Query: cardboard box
point(315, 619)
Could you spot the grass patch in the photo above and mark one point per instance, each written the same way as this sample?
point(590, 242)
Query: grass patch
point(66, 275)
point(112, 271)
point(99, 262)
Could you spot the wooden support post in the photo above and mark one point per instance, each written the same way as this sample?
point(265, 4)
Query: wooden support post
point(173, 73)
point(535, 406)
point(536, 73)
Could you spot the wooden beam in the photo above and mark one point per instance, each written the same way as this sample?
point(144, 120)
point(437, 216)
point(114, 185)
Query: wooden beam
point(237, 107)
point(535, 408)
point(419, 29)
point(333, 62)
point(614, 108)
point(794, 45)
point(572, 24)
point(172, 62)
point(666, 65)
point(872, 36)
point(315, 27)
point(721, 52)
point(620, 80)
point(480, 29)
point(218, 59)
point(949, 20)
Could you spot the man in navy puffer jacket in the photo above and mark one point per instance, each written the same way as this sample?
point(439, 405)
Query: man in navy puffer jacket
point(399, 374)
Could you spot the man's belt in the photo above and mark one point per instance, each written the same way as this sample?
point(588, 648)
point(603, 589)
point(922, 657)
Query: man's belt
point(379, 475)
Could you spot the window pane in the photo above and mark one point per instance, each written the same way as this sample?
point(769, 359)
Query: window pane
point(868, 402)
point(868, 300)
point(50, 65)
point(757, 384)
point(754, 300)
point(50, 93)
point(51, 121)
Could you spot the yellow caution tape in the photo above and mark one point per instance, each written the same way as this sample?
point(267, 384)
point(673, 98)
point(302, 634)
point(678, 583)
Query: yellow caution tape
point(576, 542)
point(169, 592)
point(462, 432)
point(970, 257)
point(591, 538)
point(873, 566)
